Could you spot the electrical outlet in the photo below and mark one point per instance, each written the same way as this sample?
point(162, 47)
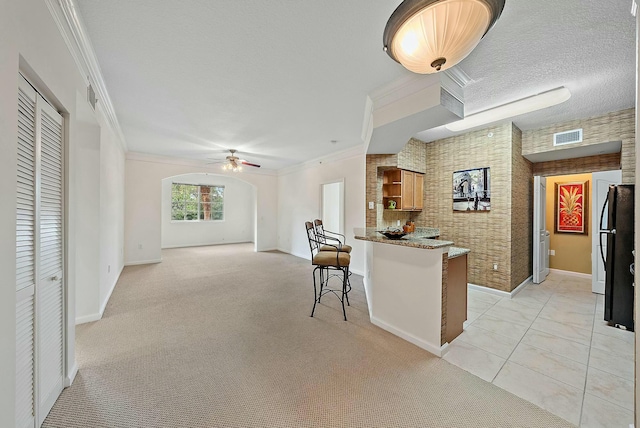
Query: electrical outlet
point(552, 252)
point(140, 246)
point(398, 224)
point(109, 269)
point(495, 266)
point(371, 205)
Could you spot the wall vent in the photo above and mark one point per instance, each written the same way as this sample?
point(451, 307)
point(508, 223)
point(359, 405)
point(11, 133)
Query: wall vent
point(91, 96)
point(567, 137)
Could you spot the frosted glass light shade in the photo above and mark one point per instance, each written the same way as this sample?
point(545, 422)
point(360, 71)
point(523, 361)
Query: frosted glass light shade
point(427, 36)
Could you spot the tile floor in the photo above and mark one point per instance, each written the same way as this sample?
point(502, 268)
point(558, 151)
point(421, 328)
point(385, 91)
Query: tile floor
point(550, 346)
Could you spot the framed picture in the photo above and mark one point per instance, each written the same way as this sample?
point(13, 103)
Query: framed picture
point(572, 207)
point(472, 190)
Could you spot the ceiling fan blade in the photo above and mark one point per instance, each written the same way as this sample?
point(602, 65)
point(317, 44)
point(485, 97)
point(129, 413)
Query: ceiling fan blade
point(250, 164)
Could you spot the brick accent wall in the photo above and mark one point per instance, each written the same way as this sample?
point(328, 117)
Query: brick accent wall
point(521, 213)
point(487, 234)
point(374, 168)
point(413, 156)
point(583, 165)
point(615, 126)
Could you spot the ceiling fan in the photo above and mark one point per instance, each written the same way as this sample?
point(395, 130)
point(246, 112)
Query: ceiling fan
point(234, 163)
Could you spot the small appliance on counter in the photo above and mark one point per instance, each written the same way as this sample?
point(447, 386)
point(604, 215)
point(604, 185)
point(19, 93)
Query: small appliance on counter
point(617, 224)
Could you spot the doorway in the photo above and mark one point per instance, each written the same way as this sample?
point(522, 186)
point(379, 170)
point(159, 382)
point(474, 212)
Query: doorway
point(571, 248)
point(333, 206)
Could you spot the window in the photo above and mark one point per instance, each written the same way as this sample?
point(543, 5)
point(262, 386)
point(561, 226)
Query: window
point(191, 202)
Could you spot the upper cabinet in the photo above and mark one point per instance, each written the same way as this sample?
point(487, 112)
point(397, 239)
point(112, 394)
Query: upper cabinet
point(404, 188)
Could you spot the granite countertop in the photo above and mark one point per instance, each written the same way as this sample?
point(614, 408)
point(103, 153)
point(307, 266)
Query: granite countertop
point(421, 238)
point(457, 252)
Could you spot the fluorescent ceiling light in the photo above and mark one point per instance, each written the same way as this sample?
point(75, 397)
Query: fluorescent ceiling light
point(512, 109)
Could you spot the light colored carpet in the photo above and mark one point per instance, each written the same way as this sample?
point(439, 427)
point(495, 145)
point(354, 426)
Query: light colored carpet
point(221, 337)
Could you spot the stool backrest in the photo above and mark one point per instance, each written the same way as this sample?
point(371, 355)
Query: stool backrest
point(311, 236)
point(319, 228)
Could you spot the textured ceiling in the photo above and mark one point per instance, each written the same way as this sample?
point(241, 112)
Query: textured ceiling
point(279, 79)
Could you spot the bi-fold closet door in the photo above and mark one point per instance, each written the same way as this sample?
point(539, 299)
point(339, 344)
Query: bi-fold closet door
point(40, 334)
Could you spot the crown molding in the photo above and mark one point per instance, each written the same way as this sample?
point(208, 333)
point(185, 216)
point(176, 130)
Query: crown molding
point(367, 123)
point(197, 164)
point(73, 31)
point(458, 75)
point(349, 153)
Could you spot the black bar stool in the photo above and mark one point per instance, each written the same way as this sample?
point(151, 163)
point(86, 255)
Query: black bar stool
point(328, 263)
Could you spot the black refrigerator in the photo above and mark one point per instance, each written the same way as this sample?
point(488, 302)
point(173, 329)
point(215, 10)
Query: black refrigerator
point(617, 225)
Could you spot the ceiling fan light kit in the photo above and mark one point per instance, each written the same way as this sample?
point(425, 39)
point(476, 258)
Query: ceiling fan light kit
point(427, 36)
point(234, 164)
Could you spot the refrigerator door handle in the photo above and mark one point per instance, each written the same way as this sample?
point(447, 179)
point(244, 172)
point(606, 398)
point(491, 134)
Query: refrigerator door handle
point(604, 261)
point(604, 208)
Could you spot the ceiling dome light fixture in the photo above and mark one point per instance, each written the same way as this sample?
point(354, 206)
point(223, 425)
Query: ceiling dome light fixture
point(427, 36)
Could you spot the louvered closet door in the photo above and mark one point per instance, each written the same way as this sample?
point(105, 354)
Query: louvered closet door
point(39, 258)
point(25, 256)
point(49, 288)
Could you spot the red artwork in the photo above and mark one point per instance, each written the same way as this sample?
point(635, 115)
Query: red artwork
point(572, 207)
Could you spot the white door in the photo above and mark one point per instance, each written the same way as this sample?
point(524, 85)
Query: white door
point(49, 289)
point(26, 257)
point(39, 258)
point(333, 206)
point(601, 182)
point(540, 233)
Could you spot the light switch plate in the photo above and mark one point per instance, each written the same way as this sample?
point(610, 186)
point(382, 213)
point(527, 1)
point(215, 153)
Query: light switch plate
point(552, 252)
point(371, 205)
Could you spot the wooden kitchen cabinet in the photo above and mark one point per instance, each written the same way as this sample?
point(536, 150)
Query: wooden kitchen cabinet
point(403, 187)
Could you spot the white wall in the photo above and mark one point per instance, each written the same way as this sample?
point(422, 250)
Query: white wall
point(111, 214)
point(239, 214)
point(30, 41)
point(100, 230)
point(143, 203)
point(87, 234)
point(300, 199)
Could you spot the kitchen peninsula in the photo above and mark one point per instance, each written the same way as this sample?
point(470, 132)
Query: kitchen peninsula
point(417, 286)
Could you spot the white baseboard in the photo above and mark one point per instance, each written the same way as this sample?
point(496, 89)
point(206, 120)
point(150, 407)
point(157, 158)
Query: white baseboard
point(88, 318)
point(109, 293)
point(267, 249)
point(305, 256)
point(143, 262)
point(68, 380)
point(365, 283)
point(206, 244)
point(438, 351)
point(98, 316)
point(501, 293)
point(569, 273)
point(521, 287)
